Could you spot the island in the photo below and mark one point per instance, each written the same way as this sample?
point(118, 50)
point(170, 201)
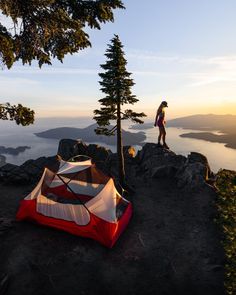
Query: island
point(88, 134)
point(210, 123)
point(13, 151)
point(228, 139)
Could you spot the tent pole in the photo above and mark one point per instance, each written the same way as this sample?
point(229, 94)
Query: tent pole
point(73, 193)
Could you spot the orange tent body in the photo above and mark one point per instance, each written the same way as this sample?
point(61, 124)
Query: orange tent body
point(80, 199)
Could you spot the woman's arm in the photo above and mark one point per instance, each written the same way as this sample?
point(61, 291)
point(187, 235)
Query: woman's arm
point(157, 114)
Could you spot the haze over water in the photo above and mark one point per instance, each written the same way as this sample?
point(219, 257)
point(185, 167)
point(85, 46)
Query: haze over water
point(12, 135)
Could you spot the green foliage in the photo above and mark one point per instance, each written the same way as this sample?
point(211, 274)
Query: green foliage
point(18, 113)
point(45, 29)
point(226, 203)
point(116, 84)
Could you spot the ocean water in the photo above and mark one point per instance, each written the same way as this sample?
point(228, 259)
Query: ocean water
point(12, 135)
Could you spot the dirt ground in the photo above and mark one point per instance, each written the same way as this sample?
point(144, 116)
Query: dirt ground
point(171, 246)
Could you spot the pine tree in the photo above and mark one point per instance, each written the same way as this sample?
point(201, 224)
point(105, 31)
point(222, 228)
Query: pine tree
point(116, 84)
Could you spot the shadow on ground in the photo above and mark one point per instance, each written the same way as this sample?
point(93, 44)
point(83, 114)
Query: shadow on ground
point(171, 246)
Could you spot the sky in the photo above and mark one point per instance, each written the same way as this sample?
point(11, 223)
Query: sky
point(181, 51)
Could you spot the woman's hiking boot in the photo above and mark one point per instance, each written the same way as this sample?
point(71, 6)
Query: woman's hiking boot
point(166, 146)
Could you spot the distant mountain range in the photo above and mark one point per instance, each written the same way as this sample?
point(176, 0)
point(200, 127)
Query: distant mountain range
point(210, 122)
point(88, 134)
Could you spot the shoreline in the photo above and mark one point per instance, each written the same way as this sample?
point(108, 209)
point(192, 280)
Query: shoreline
point(229, 140)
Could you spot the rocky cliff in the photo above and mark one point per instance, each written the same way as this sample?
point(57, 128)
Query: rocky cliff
point(151, 162)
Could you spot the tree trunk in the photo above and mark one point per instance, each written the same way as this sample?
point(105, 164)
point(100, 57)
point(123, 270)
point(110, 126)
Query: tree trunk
point(121, 166)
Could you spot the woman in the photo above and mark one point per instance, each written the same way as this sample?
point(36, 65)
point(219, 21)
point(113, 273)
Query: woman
point(160, 122)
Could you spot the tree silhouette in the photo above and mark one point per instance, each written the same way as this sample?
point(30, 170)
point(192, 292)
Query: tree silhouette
point(116, 84)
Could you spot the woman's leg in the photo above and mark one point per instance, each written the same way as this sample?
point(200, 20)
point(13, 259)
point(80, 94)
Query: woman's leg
point(164, 135)
point(159, 136)
point(164, 138)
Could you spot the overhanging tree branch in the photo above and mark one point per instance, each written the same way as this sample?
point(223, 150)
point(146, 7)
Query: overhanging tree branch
point(18, 113)
point(49, 29)
point(46, 29)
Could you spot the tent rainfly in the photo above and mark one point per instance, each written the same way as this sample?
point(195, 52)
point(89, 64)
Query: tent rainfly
point(79, 199)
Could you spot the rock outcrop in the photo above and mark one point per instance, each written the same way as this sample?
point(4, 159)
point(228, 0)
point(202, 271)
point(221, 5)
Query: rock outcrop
point(158, 162)
point(190, 172)
point(151, 162)
point(29, 172)
point(195, 172)
point(69, 148)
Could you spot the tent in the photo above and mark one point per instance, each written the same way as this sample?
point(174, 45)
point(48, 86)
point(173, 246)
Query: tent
point(80, 199)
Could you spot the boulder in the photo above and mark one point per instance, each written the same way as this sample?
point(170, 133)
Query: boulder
point(195, 157)
point(149, 150)
point(69, 148)
point(192, 175)
point(195, 173)
point(156, 161)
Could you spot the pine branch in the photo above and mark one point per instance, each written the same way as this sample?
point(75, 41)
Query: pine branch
point(105, 131)
point(133, 116)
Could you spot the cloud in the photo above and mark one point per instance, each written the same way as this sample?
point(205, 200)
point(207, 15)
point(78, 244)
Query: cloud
point(191, 71)
point(211, 78)
point(49, 71)
point(5, 81)
point(226, 62)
